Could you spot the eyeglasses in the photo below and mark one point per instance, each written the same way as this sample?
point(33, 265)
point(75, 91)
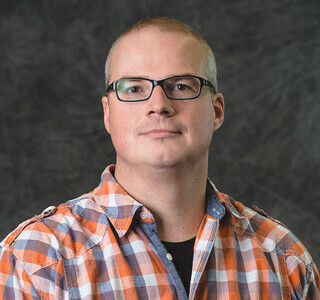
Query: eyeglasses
point(176, 88)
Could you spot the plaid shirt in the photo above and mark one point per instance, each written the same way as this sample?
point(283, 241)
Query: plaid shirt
point(104, 245)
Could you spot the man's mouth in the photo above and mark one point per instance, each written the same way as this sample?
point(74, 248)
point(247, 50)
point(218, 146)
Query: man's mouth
point(161, 132)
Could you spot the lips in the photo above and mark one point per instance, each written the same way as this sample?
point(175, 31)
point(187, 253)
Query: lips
point(161, 132)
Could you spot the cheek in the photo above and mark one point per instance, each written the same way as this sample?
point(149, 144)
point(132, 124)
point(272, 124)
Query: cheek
point(203, 121)
point(121, 130)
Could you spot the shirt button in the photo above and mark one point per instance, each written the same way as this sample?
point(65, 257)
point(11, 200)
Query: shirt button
point(143, 215)
point(169, 256)
point(216, 211)
point(48, 210)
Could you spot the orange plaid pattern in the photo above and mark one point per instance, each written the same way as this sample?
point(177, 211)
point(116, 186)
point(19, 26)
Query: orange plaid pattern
point(104, 245)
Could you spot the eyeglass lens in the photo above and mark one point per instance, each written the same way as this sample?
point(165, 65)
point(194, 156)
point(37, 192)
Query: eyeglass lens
point(134, 89)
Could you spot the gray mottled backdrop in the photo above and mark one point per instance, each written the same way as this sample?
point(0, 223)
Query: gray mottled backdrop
point(53, 142)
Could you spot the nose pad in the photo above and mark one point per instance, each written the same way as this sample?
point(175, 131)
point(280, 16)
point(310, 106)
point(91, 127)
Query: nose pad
point(159, 103)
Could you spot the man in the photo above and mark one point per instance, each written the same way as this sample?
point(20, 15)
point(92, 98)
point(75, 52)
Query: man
point(156, 227)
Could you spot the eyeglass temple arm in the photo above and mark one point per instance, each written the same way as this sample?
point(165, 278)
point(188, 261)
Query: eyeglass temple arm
point(209, 84)
point(110, 88)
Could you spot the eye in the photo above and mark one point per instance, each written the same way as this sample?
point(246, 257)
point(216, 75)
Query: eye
point(133, 89)
point(181, 87)
point(130, 88)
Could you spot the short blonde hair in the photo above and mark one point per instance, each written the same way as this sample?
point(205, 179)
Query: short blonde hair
point(168, 24)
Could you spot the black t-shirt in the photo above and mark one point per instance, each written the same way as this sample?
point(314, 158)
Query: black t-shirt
point(182, 256)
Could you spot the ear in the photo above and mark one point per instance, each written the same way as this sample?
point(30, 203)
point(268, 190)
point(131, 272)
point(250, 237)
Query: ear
point(106, 112)
point(218, 104)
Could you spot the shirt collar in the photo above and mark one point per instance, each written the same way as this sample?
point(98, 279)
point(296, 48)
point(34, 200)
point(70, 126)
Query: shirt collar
point(235, 212)
point(121, 208)
point(214, 207)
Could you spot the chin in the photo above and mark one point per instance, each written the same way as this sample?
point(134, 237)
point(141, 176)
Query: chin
point(165, 165)
point(166, 162)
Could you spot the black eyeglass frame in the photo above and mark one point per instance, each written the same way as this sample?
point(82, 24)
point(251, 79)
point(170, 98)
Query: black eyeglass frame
point(203, 82)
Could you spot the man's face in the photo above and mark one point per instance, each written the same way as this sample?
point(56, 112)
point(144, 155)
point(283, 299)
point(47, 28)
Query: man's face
point(160, 132)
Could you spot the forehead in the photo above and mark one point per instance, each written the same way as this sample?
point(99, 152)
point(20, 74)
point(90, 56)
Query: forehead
point(156, 54)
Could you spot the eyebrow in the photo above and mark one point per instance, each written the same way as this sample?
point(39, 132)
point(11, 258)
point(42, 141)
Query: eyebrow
point(148, 77)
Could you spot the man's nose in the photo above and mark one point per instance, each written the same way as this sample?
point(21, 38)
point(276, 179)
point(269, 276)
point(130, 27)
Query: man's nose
point(159, 103)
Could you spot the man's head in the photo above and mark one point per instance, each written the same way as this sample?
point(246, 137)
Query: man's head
point(161, 132)
point(173, 25)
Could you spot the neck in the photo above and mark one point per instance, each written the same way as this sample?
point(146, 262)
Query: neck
point(175, 196)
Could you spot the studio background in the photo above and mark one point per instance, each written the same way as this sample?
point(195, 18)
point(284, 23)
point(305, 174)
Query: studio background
point(53, 143)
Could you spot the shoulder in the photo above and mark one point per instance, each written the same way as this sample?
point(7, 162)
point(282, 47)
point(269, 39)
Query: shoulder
point(283, 250)
point(59, 232)
point(270, 234)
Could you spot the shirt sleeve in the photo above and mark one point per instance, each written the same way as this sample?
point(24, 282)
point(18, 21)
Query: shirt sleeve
point(14, 281)
point(303, 278)
point(314, 286)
